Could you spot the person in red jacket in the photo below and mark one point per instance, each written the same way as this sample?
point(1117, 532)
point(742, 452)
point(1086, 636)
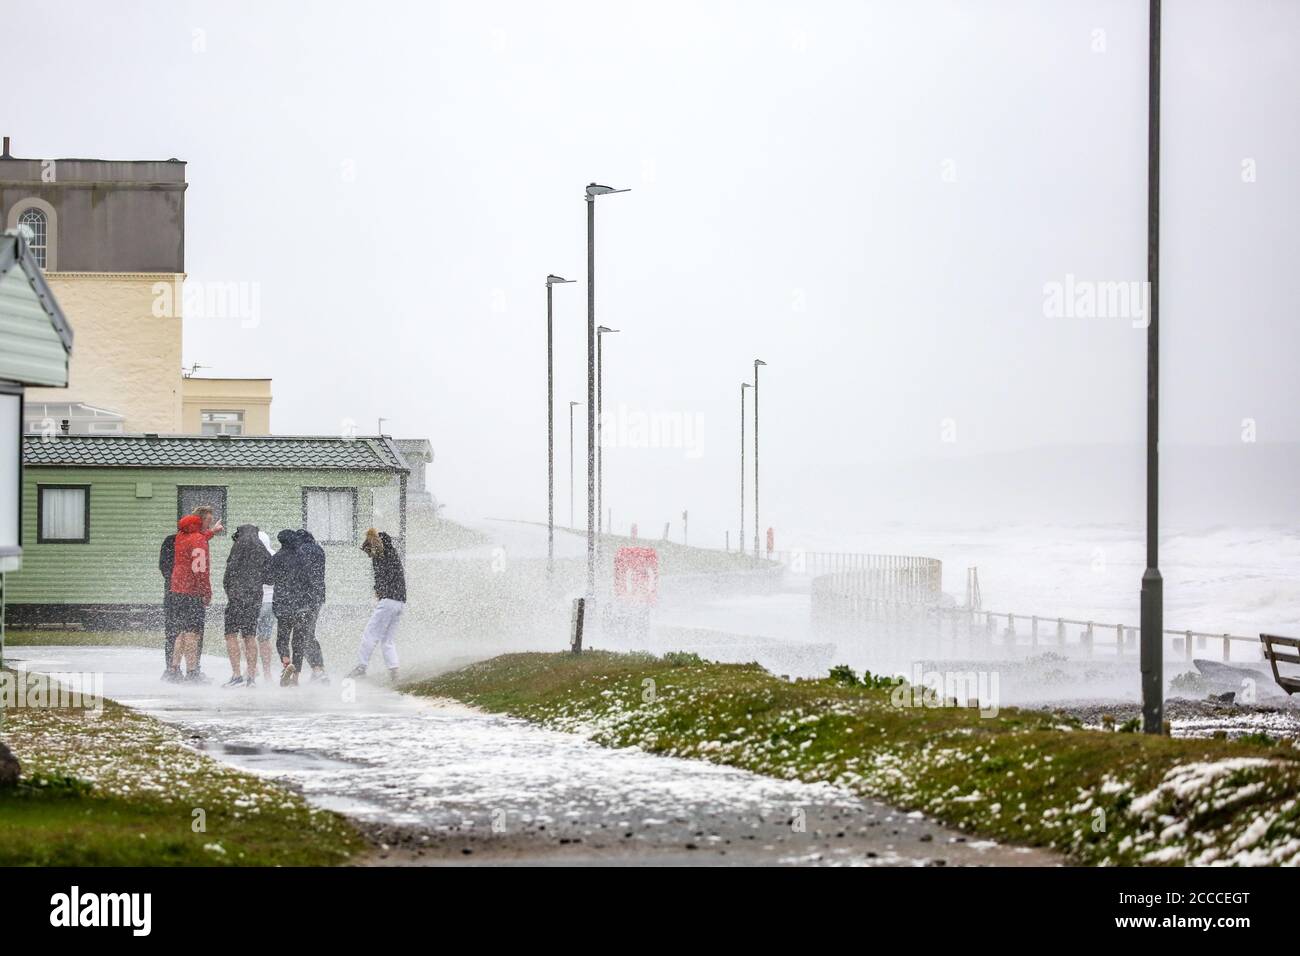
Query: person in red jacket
point(191, 589)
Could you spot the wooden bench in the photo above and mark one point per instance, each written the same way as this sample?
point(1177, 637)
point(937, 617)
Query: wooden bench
point(1274, 656)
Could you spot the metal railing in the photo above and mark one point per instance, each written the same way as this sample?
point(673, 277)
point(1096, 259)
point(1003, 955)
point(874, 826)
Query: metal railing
point(1121, 640)
point(861, 600)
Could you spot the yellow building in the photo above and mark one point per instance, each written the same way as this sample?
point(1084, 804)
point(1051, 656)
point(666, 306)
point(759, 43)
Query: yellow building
point(225, 406)
point(127, 361)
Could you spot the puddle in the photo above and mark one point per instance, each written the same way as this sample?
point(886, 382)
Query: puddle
point(271, 762)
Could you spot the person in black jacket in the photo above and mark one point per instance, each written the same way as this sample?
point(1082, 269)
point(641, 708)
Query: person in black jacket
point(313, 560)
point(297, 573)
point(390, 592)
point(245, 572)
point(166, 559)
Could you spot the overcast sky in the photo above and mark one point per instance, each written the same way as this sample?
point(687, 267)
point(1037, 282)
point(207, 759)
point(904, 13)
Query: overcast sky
point(871, 197)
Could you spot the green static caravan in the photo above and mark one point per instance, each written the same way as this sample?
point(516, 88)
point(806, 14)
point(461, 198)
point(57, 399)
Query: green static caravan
point(96, 509)
point(35, 345)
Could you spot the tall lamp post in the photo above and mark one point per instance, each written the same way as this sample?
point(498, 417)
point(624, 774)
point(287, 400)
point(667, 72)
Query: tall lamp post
point(601, 332)
point(757, 363)
point(551, 280)
point(740, 541)
point(571, 404)
point(593, 190)
point(1152, 583)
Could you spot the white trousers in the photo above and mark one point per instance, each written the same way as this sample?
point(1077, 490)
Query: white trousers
point(381, 629)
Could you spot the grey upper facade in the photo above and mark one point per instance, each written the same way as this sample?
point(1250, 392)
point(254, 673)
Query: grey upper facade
point(98, 215)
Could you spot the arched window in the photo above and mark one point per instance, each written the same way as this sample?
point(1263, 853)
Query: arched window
point(35, 226)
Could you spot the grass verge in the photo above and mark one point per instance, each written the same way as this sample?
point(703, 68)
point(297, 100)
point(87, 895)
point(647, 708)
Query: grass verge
point(1022, 776)
point(123, 789)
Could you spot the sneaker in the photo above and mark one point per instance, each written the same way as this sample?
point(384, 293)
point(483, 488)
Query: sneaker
point(289, 677)
point(357, 672)
point(392, 675)
point(172, 675)
point(250, 681)
point(320, 677)
point(235, 681)
point(198, 677)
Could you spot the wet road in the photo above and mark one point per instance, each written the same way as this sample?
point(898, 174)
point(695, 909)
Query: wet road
point(437, 781)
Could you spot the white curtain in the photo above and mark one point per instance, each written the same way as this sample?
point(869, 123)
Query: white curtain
point(63, 513)
point(329, 515)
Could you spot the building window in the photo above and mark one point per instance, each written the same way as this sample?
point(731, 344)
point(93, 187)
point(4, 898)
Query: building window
point(36, 227)
point(330, 514)
point(189, 497)
point(38, 222)
point(215, 422)
point(63, 514)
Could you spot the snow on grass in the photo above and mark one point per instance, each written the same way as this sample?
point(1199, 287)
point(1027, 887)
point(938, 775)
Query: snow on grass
point(1130, 798)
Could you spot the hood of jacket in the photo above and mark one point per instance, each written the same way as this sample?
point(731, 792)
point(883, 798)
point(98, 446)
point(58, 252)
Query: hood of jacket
point(286, 571)
point(190, 576)
point(246, 566)
point(313, 559)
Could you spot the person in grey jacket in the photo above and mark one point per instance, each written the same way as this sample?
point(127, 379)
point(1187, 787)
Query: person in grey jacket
point(245, 572)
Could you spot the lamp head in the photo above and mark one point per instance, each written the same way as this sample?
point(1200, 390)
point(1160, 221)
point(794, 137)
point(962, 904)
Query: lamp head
point(595, 189)
point(604, 329)
point(758, 362)
point(556, 280)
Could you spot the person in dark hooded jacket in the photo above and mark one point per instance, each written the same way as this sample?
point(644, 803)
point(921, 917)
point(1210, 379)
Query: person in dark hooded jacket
point(297, 573)
point(245, 572)
point(166, 561)
point(313, 557)
point(390, 592)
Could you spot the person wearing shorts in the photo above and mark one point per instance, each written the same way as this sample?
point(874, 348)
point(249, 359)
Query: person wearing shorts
point(189, 614)
point(191, 589)
point(246, 569)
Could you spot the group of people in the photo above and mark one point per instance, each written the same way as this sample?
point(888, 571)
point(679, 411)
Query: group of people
point(267, 591)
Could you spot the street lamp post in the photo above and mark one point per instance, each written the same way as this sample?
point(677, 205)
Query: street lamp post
point(740, 541)
point(551, 280)
point(757, 363)
point(601, 332)
point(593, 190)
point(1152, 583)
point(571, 404)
